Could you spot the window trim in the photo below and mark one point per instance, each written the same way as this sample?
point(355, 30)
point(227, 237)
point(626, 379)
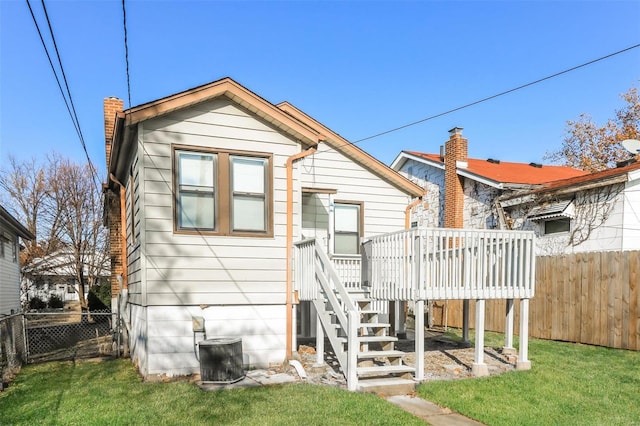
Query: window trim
point(556, 219)
point(223, 192)
point(360, 204)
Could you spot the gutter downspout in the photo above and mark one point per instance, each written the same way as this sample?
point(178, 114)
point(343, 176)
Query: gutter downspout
point(289, 287)
point(123, 231)
point(407, 212)
point(400, 308)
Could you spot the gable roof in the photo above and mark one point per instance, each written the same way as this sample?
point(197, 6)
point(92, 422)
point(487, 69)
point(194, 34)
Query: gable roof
point(340, 144)
point(496, 173)
point(284, 116)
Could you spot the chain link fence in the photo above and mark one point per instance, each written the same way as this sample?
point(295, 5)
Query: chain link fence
point(13, 350)
point(55, 336)
point(35, 337)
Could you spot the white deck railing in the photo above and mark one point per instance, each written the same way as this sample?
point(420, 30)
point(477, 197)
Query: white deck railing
point(431, 264)
point(439, 263)
point(347, 268)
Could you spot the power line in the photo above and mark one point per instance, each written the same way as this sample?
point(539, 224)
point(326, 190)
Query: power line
point(126, 51)
point(73, 108)
point(496, 95)
point(68, 100)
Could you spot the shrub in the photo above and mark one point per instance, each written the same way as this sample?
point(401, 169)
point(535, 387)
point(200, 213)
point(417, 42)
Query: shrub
point(55, 302)
point(37, 303)
point(99, 297)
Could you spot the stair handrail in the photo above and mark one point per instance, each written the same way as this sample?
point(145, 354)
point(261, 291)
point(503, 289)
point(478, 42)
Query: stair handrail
point(346, 313)
point(347, 302)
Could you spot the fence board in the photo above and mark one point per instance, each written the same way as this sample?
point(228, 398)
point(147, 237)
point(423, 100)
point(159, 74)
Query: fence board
point(634, 301)
point(589, 298)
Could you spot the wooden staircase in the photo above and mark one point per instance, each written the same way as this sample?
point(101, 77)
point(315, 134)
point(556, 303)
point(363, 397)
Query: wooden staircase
point(377, 366)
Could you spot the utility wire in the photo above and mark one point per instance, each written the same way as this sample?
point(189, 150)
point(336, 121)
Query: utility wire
point(68, 100)
point(126, 51)
point(540, 80)
point(73, 108)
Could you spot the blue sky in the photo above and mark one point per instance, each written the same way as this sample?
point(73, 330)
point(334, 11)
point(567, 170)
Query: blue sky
point(360, 67)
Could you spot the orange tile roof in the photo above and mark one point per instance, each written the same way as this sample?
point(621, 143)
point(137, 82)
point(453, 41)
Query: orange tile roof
point(514, 173)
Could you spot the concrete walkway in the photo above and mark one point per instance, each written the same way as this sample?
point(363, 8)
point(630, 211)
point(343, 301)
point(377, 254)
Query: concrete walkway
point(430, 412)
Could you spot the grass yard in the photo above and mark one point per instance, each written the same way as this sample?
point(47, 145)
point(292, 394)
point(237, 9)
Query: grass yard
point(112, 393)
point(569, 384)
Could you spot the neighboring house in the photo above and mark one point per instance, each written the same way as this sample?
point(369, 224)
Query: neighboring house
point(208, 190)
point(595, 212)
point(10, 232)
point(461, 192)
point(55, 274)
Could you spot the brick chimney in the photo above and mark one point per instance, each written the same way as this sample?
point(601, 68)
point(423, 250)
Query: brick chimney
point(455, 156)
point(112, 106)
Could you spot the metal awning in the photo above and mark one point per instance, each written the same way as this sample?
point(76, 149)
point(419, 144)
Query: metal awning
point(552, 210)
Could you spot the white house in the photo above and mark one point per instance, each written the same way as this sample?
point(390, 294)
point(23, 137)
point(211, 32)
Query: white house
point(461, 192)
point(208, 190)
point(55, 274)
point(594, 212)
point(10, 232)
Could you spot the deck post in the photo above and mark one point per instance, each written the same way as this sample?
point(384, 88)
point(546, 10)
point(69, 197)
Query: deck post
point(479, 367)
point(319, 341)
point(465, 321)
point(508, 328)
point(419, 337)
point(523, 361)
point(353, 346)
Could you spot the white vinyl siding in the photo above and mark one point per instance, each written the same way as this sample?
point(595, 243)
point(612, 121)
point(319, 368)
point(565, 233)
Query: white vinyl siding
point(383, 204)
point(135, 223)
point(631, 216)
point(171, 348)
point(9, 275)
point(185, 269)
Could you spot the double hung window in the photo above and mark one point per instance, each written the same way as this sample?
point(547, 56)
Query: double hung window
point(347, 228)
point(223, 192)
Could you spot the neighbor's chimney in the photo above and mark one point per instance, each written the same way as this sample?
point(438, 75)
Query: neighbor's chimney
point(455, 156)
point(112, 106)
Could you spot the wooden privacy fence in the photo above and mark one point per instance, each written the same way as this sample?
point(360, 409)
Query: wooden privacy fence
point(591, 298)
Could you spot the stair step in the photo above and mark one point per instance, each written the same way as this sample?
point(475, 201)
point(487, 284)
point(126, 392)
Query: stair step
point(385, 369)
point(369, 339)
point(374, 325)
point(380, 354)
point(387, 386)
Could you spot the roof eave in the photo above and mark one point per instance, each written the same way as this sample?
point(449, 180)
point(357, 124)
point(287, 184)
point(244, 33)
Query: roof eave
point(348, 149)
point(232, 90)
point(15, 226)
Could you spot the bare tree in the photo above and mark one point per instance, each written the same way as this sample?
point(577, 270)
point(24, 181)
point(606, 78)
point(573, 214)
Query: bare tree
point(26, 194)
point(74, 194)
point(591, 147)
point(60, 204)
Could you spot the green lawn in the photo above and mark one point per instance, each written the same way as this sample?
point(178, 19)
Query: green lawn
point(569, 384)
point(112, 393)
